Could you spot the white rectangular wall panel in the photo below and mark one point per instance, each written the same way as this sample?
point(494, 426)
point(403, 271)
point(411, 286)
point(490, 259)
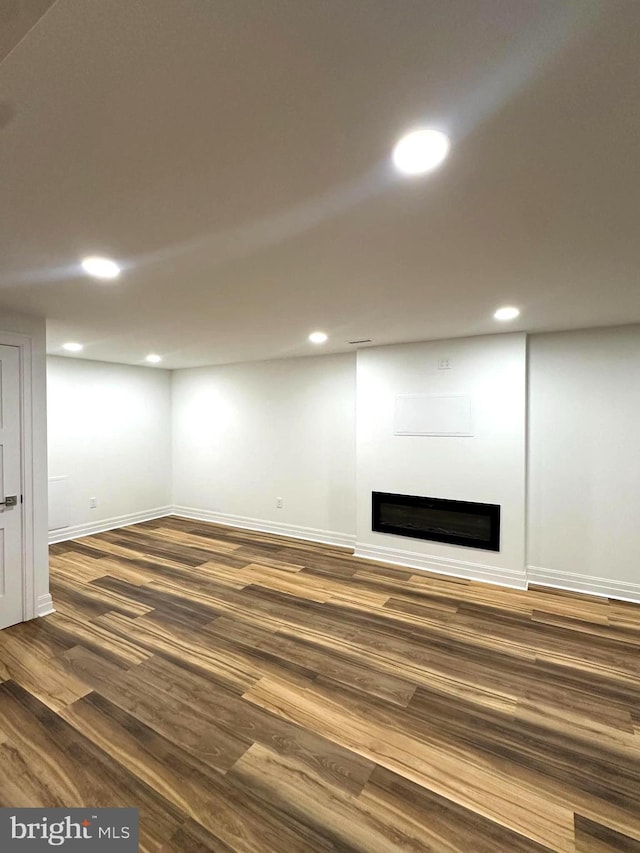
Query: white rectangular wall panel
point(430, 414)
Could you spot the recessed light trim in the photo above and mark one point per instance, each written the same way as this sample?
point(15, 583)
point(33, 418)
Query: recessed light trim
point(153, 358)
point(318, 337)
point(71, 346)
point(100, 267)
point(420, 151)
point(507, 312)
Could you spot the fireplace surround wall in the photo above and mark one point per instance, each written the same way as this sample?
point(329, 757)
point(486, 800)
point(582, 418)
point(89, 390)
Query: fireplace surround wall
point(487, 467)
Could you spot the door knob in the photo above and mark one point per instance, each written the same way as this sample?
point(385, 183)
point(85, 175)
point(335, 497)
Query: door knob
point(10, 500)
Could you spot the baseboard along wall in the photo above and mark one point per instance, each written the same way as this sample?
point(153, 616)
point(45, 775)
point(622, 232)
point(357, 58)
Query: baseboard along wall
point(79, 530)
point(485, 573)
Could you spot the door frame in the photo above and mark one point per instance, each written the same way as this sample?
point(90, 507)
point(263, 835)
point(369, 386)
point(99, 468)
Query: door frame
point(24, 345)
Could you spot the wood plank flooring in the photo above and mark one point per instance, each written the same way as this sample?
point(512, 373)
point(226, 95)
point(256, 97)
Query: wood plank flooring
point(249, 692)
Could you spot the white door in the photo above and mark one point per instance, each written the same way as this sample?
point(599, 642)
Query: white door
point(11, 568)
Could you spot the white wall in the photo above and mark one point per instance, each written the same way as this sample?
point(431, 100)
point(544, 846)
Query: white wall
point(34, 329)
point(488, 467)
point(110, 435)
point(584, 466)
point(246, 434)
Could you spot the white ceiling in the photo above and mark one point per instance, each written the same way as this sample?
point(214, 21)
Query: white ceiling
point(234, 155)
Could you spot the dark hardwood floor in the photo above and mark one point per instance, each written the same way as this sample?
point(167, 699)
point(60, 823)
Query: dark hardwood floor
point(254, 693)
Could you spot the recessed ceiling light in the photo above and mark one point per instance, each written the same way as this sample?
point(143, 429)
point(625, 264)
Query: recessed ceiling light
point(72, 347)
point(420, 151)
point(152, 358)
point(507, 313)
point(100, 267)
point(318, 337)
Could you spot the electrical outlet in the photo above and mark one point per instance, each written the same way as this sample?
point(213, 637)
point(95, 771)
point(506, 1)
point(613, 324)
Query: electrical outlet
point(444, 364)
point(278, 503)
point(93, 503)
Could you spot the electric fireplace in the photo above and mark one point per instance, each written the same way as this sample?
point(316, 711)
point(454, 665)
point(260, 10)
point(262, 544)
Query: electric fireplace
point(473, 525)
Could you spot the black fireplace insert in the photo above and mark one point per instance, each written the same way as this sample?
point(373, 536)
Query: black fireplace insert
point(474, 525)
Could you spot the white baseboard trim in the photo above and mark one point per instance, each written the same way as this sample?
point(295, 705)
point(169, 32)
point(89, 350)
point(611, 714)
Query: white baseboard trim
point(604, 587)
point(394, 556)
point(584, 583)
point(443, 566)
point(311, 534)
point(45, 605)
point(80, 530)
